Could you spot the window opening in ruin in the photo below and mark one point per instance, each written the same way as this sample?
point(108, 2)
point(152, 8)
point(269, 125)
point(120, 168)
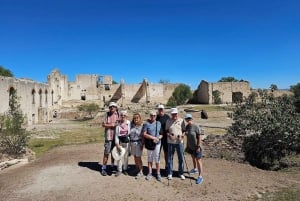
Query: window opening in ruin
point(237, 97)
point(106, 87)
point(52, 97)
point(33, 96)
point(12, 92)
point(40, 95)
point(46, 97)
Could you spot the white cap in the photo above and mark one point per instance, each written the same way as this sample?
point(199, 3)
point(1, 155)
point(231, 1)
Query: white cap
point(160, 106)
point(174, 111)
point(112, 104)
point(123, 112)
point(153, 113)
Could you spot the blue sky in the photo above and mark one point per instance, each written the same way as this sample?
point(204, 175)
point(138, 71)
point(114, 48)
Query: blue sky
point(182, 41)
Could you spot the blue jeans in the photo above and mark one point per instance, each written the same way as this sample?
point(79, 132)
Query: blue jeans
point(179, 150)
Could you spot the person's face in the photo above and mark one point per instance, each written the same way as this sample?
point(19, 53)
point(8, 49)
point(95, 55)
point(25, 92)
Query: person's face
point(174, 116)
point(189, 120)
point(136, 119)
point(152, 117)
point(123, 117)
point(112, 108)
point(160, 111)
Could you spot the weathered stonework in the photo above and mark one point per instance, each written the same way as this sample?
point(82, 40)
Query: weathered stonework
point(40, 102)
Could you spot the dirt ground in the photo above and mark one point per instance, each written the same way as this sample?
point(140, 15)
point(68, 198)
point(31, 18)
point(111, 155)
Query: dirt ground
point(72, 173)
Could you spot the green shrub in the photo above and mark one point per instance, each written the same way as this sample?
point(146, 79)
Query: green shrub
point(270, 129)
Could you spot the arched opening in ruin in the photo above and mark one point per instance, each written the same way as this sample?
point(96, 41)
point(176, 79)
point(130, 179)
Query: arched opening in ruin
point(46, 97)
point(237, 97)
point(33, 96)
point(40, 98)
point(12, 92)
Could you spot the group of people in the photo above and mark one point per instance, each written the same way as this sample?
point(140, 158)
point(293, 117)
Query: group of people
point(159, 132)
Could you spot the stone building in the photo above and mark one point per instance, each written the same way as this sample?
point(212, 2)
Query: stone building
point(204, 93)
point(41, 102)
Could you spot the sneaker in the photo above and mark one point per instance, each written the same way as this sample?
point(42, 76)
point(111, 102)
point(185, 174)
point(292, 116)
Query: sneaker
point(149, 176)
point(193, 171)
point(118, 174)
point(103, 172)
point(158, 177)
point(182, 177)
point(139, 175)
point(199, 180)
point(125, 172)
point(169, 177)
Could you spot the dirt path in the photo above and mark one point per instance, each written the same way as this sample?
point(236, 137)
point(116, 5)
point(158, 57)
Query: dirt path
point(72, 173)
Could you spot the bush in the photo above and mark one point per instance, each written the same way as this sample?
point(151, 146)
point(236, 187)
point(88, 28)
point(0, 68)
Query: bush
point(181, 95)
point(270, 129)
point(13, 138)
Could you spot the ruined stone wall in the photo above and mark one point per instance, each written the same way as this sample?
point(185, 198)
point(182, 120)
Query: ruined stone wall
point(227, 88)
point(35, 99)
point(84, 88)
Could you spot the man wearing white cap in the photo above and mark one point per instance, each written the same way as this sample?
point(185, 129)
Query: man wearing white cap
point(110, 121)
point(175, 127)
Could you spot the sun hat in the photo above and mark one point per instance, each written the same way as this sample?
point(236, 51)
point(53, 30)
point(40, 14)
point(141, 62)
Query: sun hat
point(112, 104)
point(174, 111)
point(188, 116)
point(160, 106)
point(118, 154)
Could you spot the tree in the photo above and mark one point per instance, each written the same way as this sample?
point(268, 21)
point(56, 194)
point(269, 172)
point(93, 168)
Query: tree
point(270, 130)
point(217, 97)
point(164, 81)
point(181, 95)
point(228, 79)
point(13, 138)
point(296, 90)
point(273, 87)
point(5, 72)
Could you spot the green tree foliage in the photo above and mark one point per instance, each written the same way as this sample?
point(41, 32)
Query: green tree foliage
point(164, 81)
point(181, 95)
point(270, 129)
point(228, 79)
point(217, 97)
point(273, 87)
point(5, 72)
point(90, 108)
point(13, 137)
point(296, 90)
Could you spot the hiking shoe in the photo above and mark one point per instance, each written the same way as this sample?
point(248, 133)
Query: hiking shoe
point(118, 174)
point(103, 172)
point(158, 177)
point(199, 180)
point(139, 175)
point(182, 177)
point(193, 171)
point(149, 176)
point(169, 177)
